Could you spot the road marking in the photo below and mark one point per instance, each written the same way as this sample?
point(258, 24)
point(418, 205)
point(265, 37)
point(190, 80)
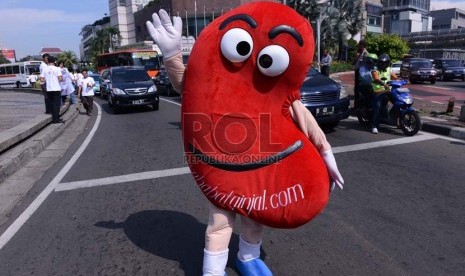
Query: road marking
point(166, 100)
point(30, 210)
point(385, 143)
point(121, 179)
point(68, 186)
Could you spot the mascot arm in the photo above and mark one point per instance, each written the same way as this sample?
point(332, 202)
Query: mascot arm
point(307, 123)
point(175, 69)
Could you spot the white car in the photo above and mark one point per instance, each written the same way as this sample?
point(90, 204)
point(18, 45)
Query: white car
point(395, 68)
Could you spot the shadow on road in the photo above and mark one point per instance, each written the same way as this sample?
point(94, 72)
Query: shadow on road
point(171, 235)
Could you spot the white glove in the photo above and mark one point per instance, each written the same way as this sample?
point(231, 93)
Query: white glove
point(334, 174)
point(164, 34)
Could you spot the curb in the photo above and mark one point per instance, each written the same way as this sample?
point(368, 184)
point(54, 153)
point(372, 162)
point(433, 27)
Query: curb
point(28, 139)
point(455, 132)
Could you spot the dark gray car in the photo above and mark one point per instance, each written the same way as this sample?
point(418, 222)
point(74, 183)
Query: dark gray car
point(126, 86)
point(449, 69)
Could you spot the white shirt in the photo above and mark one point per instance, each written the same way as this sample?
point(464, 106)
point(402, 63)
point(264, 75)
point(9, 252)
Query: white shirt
point(33, 78)
point(51, 74)
point(66, 84)
point(42, 67)
point(87, 84)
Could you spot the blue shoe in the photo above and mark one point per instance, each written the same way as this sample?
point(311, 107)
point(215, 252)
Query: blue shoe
point(255, 267)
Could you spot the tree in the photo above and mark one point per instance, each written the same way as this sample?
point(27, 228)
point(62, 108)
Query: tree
point(390, 44)
point(3, 59)
point(341, 20)
point(101, 43)
point(68, 58)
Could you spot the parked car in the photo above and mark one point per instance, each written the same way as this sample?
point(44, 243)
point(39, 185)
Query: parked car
point(418, 70)
point(126, 86)
point(325, 98)
point(96, 87)
point(395, 68)
point(163, 83)
point(449, 69)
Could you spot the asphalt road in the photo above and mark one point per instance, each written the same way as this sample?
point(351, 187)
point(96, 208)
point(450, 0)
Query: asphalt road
point(128, 206)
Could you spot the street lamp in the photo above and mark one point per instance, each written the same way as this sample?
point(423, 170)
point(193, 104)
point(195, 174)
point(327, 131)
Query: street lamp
point(318, 27)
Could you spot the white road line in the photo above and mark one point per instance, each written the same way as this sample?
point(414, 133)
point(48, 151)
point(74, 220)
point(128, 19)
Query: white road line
point(30, 210)
point(121, 179)
point(166, 100)
point(185, 170)
point(385, 143)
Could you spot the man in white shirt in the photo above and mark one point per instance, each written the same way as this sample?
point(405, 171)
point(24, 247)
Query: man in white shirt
point(43, 65)
point(52, 77)
point(86, 91)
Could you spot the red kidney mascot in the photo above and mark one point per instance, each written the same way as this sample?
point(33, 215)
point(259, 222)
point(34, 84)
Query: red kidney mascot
point(252, 146)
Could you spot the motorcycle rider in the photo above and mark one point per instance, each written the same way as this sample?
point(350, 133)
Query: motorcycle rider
point(365, 79)
point(381, 75)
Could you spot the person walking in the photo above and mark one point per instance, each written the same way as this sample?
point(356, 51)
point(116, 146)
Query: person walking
point(32, 80)
point(52, 77)
point(67, 88)
point(362, 54)
point(43, 86)
point(326, 62)
point(86, 91)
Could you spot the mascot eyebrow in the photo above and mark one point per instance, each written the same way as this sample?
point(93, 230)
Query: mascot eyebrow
point(272, 34)
point(242, 16)
point(286, 29)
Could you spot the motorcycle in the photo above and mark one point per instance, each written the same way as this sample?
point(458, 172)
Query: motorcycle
point(401, 113)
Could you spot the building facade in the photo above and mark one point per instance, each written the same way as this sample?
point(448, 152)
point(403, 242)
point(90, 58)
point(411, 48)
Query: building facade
point(373, 16)
point(406, 16)
point(448, 19)
point(88, 33)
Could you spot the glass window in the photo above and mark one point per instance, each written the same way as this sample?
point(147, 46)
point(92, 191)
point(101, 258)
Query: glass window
point(2, 70)
point(9, 70)
point(16, 69)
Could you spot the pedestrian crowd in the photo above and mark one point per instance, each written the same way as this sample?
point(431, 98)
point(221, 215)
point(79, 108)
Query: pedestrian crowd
point(59, 83)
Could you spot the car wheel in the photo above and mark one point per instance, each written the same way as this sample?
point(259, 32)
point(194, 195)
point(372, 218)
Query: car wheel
point(329, 126)
point(433, 82)
point(109, 100)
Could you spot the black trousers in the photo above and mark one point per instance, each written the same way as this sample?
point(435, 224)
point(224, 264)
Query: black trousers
point(47, 101)
point(325, 70)
point(55, 100)
point(88, 103)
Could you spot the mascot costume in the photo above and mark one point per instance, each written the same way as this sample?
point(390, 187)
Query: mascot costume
point(253, 148)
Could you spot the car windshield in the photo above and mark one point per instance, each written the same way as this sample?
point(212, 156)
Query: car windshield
point(421, 64)
point(130, 76)
point(452, 63)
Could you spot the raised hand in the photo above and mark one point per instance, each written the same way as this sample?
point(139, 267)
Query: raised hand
point(165, 34)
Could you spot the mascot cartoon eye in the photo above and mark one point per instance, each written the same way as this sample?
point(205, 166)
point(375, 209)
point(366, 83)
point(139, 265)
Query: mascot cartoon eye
point(236, 45)
point(273, 60)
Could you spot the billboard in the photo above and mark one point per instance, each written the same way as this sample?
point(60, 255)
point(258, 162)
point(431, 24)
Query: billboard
point(9, 54)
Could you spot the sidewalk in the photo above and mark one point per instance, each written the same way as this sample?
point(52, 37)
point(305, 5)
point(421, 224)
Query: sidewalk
point(24, 128)
point(432, 114)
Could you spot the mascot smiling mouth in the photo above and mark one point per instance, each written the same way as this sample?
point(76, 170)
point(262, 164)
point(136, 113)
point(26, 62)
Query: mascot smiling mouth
point(239, 167)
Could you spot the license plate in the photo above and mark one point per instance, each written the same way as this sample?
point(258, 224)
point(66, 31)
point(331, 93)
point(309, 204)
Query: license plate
point(321, 111)
point(138, 102)
point(424, 77)
point(458, 75)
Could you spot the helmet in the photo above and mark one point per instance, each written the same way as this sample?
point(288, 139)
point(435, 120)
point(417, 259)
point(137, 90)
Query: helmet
point(371, 60)
point(384, 62)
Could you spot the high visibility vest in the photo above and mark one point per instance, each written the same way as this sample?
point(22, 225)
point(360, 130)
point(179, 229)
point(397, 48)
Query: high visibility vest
point(382, 74)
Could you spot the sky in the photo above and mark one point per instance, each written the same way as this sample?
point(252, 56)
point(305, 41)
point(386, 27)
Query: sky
point(27, 26)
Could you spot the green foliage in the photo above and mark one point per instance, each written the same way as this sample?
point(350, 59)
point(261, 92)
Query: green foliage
point(341, 20)
point(390, 44)
point(341, 66)
point(352, 54)
point(3, 59)
point(68, 58)
point(101, 42)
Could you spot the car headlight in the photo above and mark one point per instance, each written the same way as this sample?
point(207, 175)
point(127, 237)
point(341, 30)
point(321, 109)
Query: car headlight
point(415, 73)
point(152, 89)
point(433, 72)
point(448, 71)
point(342, 92)
point(118, 91)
